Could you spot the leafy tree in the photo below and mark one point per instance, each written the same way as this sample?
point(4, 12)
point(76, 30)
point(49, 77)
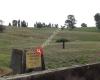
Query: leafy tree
point(62, 27)
point(62, 40)
point(19, 23)
point(97, 19)
point(9, 24)
point(49, 25)
point(39, 25)
point(70, 22)
point(14, 23)
point(56, 25)
point(84, 25)
point(23, 23)
point(43, 25)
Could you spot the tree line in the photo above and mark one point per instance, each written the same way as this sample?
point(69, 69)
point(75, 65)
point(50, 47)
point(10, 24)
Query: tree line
point(69, 23)
point(44, 25)
point(18, 23)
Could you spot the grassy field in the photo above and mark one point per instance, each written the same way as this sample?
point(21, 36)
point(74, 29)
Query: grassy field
point(84, 45)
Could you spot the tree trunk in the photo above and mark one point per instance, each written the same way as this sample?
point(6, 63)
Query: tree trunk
point(63, 45)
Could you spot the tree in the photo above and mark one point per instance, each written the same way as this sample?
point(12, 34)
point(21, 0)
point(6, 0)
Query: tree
point(19, 23)
point(97, 19)
point(62, 40)
point(49, 25)
point(39, 25)
point(84, 25)
point(9, 24)
point(62, 27)
point(70, 22)
point(56, 25)
point(24, 24)
point(14, 23)
point(44, 25)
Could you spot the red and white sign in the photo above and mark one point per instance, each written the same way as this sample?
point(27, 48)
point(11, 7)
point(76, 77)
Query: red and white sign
point(39, 51)
point(33, 58)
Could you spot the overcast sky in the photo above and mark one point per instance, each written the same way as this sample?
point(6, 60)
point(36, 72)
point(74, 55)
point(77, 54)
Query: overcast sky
point(54, 11)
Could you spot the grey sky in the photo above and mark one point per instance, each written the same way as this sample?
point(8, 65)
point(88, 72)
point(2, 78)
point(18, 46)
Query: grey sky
point(54, 11)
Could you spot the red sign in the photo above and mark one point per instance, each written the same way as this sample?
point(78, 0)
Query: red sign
point(39, 51)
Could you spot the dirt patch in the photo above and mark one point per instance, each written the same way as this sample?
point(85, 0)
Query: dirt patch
point(5, 71)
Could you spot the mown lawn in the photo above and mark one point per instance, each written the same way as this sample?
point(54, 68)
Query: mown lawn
point(84, 45)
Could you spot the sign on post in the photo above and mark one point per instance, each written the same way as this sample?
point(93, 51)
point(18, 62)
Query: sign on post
point(34, 59)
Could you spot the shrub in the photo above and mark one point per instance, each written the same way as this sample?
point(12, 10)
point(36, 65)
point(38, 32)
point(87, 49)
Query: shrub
point(2, 28)
point(62, 40)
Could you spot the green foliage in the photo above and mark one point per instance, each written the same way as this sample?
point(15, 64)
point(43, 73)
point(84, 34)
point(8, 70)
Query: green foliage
point(44, 25)
point(86, 29)
point(62, 40)
point(84, 25)
point(14, 23)
point(70, 22)
point(9, 24)
point(19, 23)
point(83, 48)
point(24, 24)
point(2, 28)
point(97, 19)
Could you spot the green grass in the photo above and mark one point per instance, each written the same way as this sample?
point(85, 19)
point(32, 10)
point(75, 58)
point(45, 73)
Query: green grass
point(84, 45)
point(75, 53)
point(86, 29)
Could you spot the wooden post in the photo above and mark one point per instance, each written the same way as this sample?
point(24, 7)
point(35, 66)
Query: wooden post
point(42, 61)
point(63, 44)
